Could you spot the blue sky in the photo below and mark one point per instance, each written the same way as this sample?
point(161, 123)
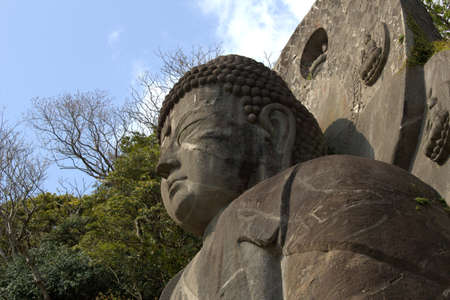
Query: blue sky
point(50, 47)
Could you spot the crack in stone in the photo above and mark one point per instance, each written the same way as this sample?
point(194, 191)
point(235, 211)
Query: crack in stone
point(376, 254)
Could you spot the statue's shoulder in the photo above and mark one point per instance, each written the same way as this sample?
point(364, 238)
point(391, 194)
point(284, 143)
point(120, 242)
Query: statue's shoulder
point(343, 172)
point(339, 173)
point(316, 193)
point(367, 208)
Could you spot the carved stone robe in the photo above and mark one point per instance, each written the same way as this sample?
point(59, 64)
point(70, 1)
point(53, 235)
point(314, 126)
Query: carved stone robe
point(337, 227)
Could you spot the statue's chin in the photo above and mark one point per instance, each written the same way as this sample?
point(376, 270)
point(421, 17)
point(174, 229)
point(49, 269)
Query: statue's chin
point(193, 205)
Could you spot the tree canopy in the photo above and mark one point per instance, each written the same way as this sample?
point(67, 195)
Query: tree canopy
point(440, 13)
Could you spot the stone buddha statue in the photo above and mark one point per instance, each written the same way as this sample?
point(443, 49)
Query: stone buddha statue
point(243, 166)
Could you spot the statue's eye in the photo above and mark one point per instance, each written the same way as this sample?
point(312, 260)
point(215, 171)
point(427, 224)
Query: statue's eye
point(168, 131)
point(187, 130)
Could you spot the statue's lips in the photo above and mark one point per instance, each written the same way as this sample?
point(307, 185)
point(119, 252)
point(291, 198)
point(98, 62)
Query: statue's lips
point(171, 184)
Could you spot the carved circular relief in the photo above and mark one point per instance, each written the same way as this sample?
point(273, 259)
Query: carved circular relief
point(314, 54)
point(437, 126)
point(374, 54)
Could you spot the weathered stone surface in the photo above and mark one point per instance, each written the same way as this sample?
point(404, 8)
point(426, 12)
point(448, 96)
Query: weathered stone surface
point(364, 235)
point(364, 98)
point(337, 227)
point(431, 159)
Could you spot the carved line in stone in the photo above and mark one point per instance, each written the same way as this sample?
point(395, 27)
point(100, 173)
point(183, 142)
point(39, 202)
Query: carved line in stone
point(231, 278)
point(394, 261)
point(373, 56)
point(313, 214)
point(387, 284)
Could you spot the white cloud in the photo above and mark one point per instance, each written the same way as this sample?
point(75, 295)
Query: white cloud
point(255, 27)
point(114, 37)
point(138, 68)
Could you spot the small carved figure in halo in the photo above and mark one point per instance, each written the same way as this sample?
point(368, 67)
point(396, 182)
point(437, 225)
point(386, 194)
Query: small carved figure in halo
point(370, 57)
point(436, 130)
point(318, 62)
point(373, 54)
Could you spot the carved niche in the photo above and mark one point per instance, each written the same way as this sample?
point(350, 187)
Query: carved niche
point(314, 54)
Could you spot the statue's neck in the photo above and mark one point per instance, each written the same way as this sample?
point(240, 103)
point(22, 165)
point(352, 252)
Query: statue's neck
point(212, 226)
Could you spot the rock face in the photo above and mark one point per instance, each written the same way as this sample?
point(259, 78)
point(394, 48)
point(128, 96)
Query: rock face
point(348, 63)
point(365, 235)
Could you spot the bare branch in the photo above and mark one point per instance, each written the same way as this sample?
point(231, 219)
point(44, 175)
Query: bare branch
point(83, 131)
point(268, 61)
point(21, 175)
point(149, 90)
point(74, 187)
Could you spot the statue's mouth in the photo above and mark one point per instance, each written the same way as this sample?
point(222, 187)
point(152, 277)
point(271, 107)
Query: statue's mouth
point(172, 185)
point(437, 147)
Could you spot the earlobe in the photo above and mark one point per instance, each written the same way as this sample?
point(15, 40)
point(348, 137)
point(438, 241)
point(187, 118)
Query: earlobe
point(279, 121)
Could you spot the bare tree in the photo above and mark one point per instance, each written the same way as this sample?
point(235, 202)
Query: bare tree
point(82, 131)
point(21, 175)
point(268, 60)
point(150, 88)
point(439, 11)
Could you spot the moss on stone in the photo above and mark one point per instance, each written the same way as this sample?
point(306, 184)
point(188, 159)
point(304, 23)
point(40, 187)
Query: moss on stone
point(439, 46)
point(444, 205)
point(422, 49)
point(442, 201)
point(422, 201)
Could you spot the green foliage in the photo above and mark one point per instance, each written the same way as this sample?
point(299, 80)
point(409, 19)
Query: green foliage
point(69, 274)
point(423, 49)
point(119, 236)
point(422, 201)
point(58, 218)
point(443, 202)
point(441, 46)
point(130, 233)
point(440, 13)
point(109, 296)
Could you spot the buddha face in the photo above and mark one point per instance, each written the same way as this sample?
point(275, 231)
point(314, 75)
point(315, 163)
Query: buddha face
point(207, 156)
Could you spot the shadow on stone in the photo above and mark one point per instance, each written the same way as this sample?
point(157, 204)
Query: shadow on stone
point(342, 137)
point(411, 123)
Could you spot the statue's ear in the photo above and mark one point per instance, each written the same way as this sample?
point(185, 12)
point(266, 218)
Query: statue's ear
point(279, 121)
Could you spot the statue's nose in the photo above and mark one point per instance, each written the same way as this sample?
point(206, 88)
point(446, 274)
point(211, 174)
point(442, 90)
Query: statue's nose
point(166, 166)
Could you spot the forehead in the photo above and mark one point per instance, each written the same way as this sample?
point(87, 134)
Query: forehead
point(205, 101)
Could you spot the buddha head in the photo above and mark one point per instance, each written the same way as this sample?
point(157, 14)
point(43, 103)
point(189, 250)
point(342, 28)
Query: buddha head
point(224, 127)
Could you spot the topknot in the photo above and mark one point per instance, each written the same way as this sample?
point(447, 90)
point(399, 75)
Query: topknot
point(257, 86)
